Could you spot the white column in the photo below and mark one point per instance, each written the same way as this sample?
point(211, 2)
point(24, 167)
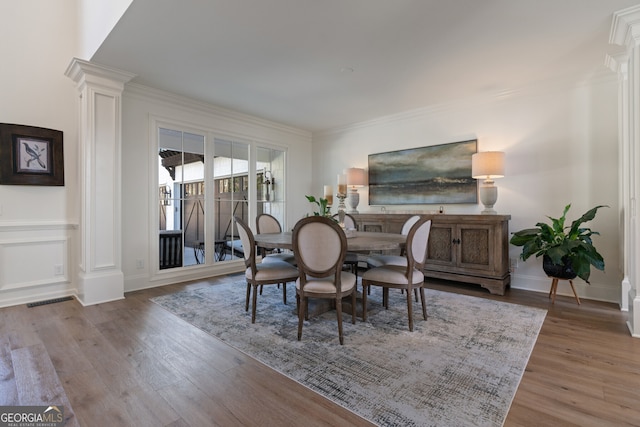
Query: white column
point(625, 32)
point(100, 277)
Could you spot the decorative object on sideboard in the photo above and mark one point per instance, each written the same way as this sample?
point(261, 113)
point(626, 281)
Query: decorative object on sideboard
point(355, 179)
point(30, 155)
point(567, 247)
point(342, 194)
point(328, 194)
point(488, 165)
point(436, 175)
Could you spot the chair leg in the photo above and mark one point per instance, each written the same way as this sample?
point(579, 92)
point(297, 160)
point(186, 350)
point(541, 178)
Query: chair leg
point(365, 289)
point(353, 307)
point(261, 286)
point(339, 314)
point(410, 308)
point(255, 301)
point(284, 292)
point(246, 304)
point(424, 303)
point(385, 298)
point(415, 291)
point(301, 314)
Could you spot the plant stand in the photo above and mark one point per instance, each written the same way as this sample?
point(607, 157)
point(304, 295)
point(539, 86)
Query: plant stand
point(554, 288)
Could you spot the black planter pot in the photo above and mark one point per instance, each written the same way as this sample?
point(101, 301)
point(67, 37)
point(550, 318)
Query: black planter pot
point(564, 271)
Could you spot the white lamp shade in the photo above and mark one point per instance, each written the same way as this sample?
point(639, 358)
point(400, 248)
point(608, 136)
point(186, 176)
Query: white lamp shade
point(355, 177)
point(487, 165)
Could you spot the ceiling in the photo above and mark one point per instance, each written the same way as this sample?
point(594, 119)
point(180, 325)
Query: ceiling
point(321, 64)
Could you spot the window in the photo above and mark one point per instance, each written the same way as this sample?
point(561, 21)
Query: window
point(181, 198)
point(202, 183)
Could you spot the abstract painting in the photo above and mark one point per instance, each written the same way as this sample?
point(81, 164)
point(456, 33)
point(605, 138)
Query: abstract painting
point(438, 174)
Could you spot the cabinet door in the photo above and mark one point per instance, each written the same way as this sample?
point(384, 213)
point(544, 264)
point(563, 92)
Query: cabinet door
point(474, 247)
point(441, 245)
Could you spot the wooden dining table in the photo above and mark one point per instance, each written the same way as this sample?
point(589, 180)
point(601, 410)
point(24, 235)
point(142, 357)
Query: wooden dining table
point(361, 241)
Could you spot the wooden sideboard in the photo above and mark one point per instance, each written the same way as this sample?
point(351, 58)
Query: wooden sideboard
point(463, 248)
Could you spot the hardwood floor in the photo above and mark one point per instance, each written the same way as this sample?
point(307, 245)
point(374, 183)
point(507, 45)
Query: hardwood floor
point(131, 363)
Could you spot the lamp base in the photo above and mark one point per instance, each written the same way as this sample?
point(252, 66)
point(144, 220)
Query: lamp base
point(488, 197)
point(354, 199)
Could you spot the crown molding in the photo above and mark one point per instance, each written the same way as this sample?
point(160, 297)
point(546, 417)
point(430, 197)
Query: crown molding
point(480, 99)
point(190, 104)
point(625, 27)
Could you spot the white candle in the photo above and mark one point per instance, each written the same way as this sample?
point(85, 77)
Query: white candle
point(328, 194)
point(342, 184)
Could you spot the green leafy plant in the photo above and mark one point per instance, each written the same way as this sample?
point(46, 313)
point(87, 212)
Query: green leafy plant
point(562, 244)
point(323, 206)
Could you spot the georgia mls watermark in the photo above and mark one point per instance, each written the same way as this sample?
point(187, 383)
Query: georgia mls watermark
point(31, 416)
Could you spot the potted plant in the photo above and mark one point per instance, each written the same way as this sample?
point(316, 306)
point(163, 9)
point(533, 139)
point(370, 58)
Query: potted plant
point(567, 251)
point(323, 206)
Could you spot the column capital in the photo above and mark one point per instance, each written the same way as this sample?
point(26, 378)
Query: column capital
point(625, 28)
point(83, 72)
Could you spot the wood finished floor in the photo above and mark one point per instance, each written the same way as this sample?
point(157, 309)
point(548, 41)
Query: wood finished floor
point(131, 363)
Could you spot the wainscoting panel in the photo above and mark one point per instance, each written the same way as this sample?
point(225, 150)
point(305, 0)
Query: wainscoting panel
point(35, 262)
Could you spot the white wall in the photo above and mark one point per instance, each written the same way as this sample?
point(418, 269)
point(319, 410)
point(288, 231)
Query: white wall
point(560, 145)
point(140, 106)
point(37, 224)
point(96, 19)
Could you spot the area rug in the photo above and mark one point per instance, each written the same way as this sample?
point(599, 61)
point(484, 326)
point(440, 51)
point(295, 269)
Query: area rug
point(460, 367)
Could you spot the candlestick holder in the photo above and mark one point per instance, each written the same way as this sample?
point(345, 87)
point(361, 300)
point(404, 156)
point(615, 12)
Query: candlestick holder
point(341, 208)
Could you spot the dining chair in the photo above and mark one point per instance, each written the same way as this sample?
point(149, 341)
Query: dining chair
point(266, 223)
point(320, 245)
point(352, 259)
point(378, 260)
point(406, 277)
point(264, 273)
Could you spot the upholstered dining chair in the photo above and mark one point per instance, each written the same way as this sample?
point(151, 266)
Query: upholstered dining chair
point(266, 223)
point(264, 273)
point(378, 260)
point(407, 277)
point(352, 259)
point(320, 245)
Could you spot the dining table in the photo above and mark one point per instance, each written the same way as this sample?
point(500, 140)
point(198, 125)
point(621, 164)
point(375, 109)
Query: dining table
point(357, 241)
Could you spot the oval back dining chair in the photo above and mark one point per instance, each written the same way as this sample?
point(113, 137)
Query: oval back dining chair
point(378, 260)
point(266, 223)
point(407, 277)
point(264, 273)
point(352, 259)
point(320, 245)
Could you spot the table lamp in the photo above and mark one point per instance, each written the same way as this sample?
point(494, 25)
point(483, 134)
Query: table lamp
point(488, 165)
point(355, 179)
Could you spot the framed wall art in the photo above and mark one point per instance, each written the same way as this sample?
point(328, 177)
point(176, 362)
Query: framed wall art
point(30, 155)
point(438, 174)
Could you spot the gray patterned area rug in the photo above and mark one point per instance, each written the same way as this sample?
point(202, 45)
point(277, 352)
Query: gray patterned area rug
point(461, 367)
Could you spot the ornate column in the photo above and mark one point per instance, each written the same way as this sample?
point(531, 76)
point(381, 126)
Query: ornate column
point(100, 276)
point(625, 31)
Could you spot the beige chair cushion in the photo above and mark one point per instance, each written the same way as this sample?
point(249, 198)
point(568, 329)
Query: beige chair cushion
point(272, 271)
point(394, 274)
point(282, 257)
point(380, 260)
point(325, 285)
